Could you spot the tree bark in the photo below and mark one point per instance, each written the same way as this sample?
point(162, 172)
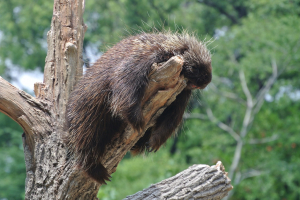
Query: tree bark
point(42, 118)
point(196, 182)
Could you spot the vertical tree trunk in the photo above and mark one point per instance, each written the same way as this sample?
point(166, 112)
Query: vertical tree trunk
point(49, 176)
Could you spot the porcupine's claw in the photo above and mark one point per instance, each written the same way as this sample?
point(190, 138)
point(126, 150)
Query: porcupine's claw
point(136, 119)
point(99, 173)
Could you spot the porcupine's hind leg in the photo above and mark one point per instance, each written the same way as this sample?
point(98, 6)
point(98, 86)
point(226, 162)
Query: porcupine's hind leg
point(165, 126)
point(92, 129)
point(92, 163)
point(96, 171)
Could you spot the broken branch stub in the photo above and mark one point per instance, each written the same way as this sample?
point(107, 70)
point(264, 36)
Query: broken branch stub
point(201, 182)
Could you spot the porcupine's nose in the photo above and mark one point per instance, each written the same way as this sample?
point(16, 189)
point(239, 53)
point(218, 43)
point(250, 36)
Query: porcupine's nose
point(199, 87)
point(205, 81)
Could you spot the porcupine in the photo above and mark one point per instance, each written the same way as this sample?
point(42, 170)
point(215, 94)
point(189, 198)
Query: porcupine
point(108, 97)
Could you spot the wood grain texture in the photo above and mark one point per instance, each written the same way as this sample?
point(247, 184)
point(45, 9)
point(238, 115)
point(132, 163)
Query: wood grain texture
point(197, 182)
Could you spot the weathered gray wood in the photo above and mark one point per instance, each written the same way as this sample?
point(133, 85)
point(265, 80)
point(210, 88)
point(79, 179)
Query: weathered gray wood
point(197, 182)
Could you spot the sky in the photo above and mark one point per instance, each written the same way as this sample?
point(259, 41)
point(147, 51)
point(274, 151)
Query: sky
point(25, 80)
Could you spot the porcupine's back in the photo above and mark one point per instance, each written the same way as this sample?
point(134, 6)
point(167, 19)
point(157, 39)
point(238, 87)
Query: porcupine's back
point(98, 112)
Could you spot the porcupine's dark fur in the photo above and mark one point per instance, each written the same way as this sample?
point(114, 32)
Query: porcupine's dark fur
point(108, 96)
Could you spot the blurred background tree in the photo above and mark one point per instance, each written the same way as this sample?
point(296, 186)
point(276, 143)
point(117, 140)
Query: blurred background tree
point(248, 117)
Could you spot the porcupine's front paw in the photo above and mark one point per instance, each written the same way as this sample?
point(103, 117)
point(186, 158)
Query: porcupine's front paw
point(136, 119)
point(137, 122)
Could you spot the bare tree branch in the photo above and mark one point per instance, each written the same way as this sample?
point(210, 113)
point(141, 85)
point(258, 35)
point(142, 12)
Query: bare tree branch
point(229, 95)
point(221, 125)
point(23, 108)
point(244, 128)
point(247, 116)
point(245, 88)
point(253, 107)
point(251, 173)
point(196, 182)
point(263, 140)
point(194, 116)
point(248, 174)
point(263, 91)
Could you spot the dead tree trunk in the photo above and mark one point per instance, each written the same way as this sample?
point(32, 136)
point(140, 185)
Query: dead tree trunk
point(42, 117)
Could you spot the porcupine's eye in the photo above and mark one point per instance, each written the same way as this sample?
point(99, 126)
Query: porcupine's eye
point(190, 71)
point(196, 70)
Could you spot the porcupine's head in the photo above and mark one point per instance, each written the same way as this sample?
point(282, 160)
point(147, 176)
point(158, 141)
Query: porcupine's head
point(197, 58)
point(197, 64)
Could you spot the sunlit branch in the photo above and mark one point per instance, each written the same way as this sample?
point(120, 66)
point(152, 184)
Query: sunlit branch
point(253, 107)
point(248, 174)
point(263, 140)
point(222, 125)
point(248, 113)
point(251, 173)
point(18, 105)
point(245, 88)
point(194, 116)
point(228, 95)
point(262, 92)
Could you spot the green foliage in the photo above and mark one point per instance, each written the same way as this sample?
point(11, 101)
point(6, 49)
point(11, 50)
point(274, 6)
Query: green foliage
point(115, 19)
point(24, 25)
point(12, 166)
